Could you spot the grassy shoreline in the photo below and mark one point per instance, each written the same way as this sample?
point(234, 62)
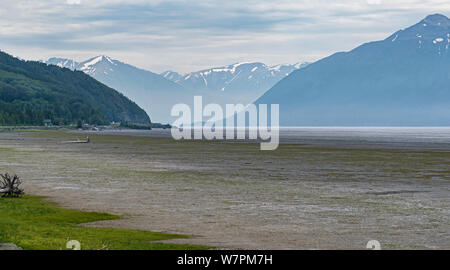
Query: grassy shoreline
point(35, 224)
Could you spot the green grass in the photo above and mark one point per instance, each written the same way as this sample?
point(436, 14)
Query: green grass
point(32, 223)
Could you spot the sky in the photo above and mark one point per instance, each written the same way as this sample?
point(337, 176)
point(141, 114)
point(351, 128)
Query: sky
point(190, 35)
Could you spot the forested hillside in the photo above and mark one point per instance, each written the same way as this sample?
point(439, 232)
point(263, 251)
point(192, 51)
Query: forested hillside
point(32, 91)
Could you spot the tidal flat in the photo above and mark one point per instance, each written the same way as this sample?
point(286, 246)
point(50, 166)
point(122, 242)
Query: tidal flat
point(231, 195)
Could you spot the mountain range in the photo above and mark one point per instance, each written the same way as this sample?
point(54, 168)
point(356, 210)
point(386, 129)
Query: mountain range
point(157, 93)
point(237, 83)
point(150, 91)
point(403, 80)
point(32, 91)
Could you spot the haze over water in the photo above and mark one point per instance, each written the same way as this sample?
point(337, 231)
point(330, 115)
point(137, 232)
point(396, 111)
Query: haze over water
point(359, 137)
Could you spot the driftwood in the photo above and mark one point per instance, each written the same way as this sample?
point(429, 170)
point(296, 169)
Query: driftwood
point(79, 141)
point(9, 186)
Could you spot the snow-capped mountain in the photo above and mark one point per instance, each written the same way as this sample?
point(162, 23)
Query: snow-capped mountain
point(237, 83)
point(62, 62)
point(403, 80)
point(432, 33)
point(172, 75)
point(152, 92)
point(94, 66)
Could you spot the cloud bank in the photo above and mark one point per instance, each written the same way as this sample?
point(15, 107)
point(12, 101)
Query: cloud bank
point(189, 35)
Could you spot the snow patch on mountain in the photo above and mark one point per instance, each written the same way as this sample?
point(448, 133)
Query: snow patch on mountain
point(243, 76)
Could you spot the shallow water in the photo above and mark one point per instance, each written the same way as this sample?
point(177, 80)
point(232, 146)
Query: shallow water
point(367, 137)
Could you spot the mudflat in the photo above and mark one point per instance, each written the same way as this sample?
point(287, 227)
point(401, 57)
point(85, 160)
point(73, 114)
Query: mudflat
point(231, 195)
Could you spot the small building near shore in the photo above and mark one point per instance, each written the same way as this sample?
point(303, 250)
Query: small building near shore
point(48, 123)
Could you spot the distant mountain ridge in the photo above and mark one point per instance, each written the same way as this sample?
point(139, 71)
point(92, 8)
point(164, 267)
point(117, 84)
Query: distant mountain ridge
point(157, 93)
point(403, 80)
point(31, 92)
point(244, 82)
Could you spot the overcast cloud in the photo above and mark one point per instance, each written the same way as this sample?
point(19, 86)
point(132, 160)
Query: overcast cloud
point(189, 35)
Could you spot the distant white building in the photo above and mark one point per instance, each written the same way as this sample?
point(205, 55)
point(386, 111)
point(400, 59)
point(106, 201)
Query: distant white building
point(48, 123)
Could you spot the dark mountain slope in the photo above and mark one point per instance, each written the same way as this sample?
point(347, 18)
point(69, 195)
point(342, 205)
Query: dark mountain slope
point(31, 92)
